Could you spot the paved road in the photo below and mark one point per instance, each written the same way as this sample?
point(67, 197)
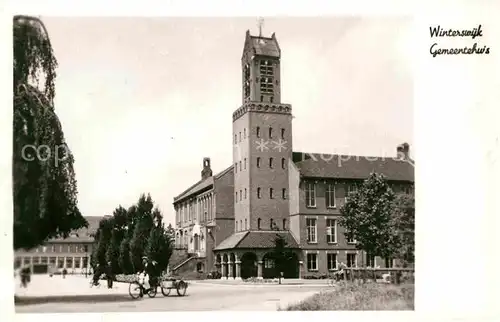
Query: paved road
point(199, 297)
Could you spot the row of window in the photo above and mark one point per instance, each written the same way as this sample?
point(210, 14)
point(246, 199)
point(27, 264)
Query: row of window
point(191, 210)
point(239, 138)
point(243, 194)
point(243, 165)
point(351, 261)
point(272, 225)
point(62, 249)
point(68, 262)
point(331, 231)
point(330, 200)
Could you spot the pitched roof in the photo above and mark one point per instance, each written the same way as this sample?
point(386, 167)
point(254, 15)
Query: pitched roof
point(202, 184)
point(82, 234)
point(265, 46)
point(354, 167)
point(256, 239)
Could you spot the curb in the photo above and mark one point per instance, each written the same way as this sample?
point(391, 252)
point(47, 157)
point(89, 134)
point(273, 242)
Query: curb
point(261, 284)
point(89, 298)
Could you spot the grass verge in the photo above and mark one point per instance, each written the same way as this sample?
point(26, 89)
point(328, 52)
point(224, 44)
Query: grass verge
point(369, 296)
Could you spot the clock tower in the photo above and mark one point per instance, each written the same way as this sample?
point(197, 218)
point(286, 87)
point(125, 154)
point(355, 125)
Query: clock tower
point(262, 140)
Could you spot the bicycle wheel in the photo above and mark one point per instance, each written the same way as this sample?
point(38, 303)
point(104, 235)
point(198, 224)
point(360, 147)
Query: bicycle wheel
point(135, 290)
point(152, 292)
point(181, 288)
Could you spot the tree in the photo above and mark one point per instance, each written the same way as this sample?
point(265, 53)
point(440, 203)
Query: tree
point(403, 222)
point(141, 232)
point(279, 255)
point(368, 216)
point(103, 238)
point(124, 257)
point(170, 231)
point(44, 185)
point(160, 245)
point(117, 235)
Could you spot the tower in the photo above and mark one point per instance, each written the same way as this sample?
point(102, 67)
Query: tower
point(262, 139)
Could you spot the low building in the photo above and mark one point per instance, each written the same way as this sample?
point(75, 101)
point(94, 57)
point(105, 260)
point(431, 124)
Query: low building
point(72, 253)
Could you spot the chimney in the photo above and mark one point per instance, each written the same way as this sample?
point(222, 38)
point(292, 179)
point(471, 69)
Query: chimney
point(207, 171)
point(403, 151)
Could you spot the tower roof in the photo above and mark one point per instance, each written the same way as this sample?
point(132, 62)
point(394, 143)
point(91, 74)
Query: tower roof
point(262, 46)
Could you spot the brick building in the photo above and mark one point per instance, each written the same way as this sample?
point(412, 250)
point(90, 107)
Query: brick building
point(72, 253)
point(228, 221)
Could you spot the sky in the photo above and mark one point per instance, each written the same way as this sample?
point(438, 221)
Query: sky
point(143, 100)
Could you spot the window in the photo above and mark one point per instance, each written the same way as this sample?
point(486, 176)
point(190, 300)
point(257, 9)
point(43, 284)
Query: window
point(389, 263)
point(330, 195)
point(258, 193)
point(245, 164)
point(245, 193)
point(236, 196)
point(262, 98)
point(258, 162)
point(236, 228)
point(266, 83)
point(241, 224)
point(236, 167)
point(245, 224)
point(268, 263)
point(240, 165)
point(351, 260)
point(271, 163)
point(258, 131)
point(370, 260)
point(310, 194)
point(352, 188)
point(349, 238)
point(270, 132)
point(332, 261)
point(86, 248)
point(240, 136)
point(283, 134)
point(311, 230)
point(331, 231)
point(271, 193)
point(312, 262)
point(235, 139)
point(283, 193)
point(258, 223)
point(272, 99)
point(271, 223)
point(244, 133)
point(284, 224)
point(53, 248)
point(282, 163)
point(241, 195)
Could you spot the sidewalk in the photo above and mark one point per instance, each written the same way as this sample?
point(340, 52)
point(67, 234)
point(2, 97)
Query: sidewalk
point(284, 282)
point(73, 288)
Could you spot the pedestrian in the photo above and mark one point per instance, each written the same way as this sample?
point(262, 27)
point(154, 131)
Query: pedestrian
point(109, 275)
point(25, 275)
point(64, 272)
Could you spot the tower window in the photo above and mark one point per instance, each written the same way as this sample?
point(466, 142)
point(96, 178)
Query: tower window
point(236, 167)
point(266, 68)
point(272, 99)
point(240, 165)
point(258, 193)
point(266, 85)
point(245, 224)
point(271, 223)
point(284, 224)
point(258, 223)
point(262, 98)
point(244, 133)
point(271, 193)
point(257, 131)
point(236, 196)
point(283, 163)
point(270, 132)
point(245, 164)
point(241, 195)
point(258, 162)
point(271, 163)
point(283, 193)
point(245, 193)
point(235, 139)
point(240, 136)
point(283, 134)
